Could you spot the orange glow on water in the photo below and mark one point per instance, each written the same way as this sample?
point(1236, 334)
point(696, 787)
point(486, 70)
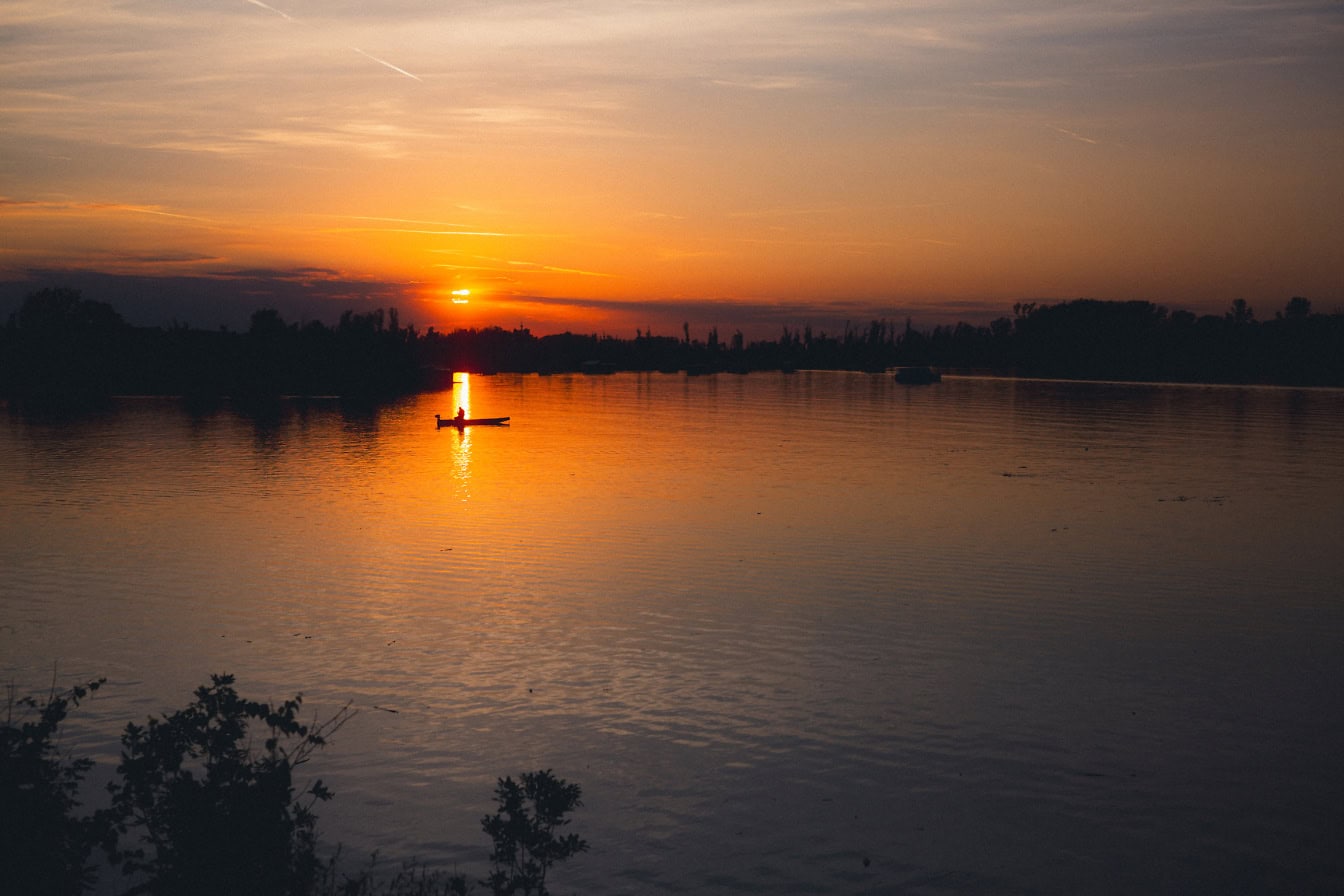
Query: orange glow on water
point(462, 391)
point(461, 436)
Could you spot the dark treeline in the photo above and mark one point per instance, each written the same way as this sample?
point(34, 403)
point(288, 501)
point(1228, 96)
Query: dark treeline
point(62, 348)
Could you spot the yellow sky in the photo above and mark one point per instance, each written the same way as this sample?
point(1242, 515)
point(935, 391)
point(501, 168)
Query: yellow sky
point(718, 161)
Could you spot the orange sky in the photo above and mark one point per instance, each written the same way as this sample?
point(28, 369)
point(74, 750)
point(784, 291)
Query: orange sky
point(600, 165)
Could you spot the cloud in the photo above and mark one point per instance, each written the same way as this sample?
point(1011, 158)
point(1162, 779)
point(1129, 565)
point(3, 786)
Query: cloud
point(221, 298)
point(770, 82)
point(170, 258)
point(511, 269)
point(532, 266)
point(50, 207)
point(247, 120)
point(385, 220)
point(487, 233)
point(756, 319)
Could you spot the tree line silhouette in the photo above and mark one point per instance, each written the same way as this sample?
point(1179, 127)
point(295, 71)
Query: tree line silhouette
point(62, 349)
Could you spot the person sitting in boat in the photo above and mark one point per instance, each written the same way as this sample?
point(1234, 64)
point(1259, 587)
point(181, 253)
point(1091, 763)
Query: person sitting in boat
point(461, 415)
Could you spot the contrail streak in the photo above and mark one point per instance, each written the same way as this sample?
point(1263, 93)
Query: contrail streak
point(394, 68)
point(1077, 136)
point(399, 70)
point(284, 15)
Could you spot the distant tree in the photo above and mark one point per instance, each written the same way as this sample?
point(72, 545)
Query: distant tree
point(1298, 308)
point(60, 353)
point(64, 352)
point(1241, 313)
point(266, 323)
point(59, 310)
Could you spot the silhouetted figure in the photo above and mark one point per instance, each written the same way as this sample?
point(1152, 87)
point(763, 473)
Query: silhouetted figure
point(461, 414)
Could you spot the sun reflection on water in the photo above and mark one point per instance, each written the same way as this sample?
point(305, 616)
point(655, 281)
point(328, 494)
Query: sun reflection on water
point(727, 582)
point(462, 435)
point(462, 390)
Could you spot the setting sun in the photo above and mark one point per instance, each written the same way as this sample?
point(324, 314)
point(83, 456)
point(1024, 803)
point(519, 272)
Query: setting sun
point(919, 162)
point(863, 441)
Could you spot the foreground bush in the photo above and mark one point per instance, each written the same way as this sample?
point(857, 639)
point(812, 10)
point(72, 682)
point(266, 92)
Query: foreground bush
point(44, 847)
point(525, 828)
point(205, 804)
point(206, 811)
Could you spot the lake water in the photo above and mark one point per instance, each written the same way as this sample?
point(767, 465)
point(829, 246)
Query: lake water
point(795, 633)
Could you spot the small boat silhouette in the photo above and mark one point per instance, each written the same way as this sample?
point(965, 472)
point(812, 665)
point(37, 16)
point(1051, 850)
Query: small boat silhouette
point(460, 422)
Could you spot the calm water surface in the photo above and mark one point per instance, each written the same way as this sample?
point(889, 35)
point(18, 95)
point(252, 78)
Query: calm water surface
point(791, 633)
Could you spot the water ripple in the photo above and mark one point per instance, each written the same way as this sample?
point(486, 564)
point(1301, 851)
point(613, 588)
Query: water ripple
point(800, 633)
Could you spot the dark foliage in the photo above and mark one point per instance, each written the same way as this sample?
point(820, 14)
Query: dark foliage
point(44, 845)
point(61, 352)
point(206, 810)
point(526, 829)
point(205, 804)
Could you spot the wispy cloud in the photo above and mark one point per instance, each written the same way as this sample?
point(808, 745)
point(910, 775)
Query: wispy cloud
point(174, 258)
point(787, 212)
point(511, 267)
point(770, 82)
point(384, 220)
point(791, 136)
point(487, 233)
point(17, 206)
point(1023, 83)
point(657, 216)
point(534, 267)
point(221, 297)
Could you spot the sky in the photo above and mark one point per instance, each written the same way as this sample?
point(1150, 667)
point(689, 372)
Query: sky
point(601, 166)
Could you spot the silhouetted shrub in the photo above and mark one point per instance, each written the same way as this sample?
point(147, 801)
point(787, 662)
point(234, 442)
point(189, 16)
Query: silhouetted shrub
point(44, 845)
point(209, 812)
point(525, 832)
point(205, 804)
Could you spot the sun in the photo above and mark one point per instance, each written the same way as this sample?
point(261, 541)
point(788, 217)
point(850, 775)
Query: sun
point(460, 296)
